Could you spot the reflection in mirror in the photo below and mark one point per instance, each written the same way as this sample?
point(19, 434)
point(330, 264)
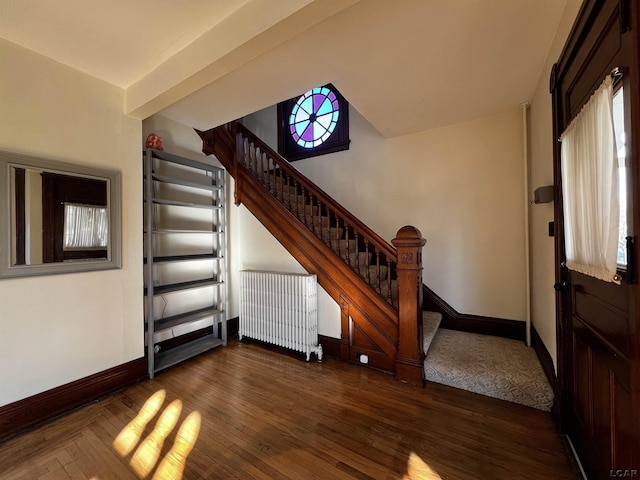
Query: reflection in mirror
point(57, 217)
point(86, 227)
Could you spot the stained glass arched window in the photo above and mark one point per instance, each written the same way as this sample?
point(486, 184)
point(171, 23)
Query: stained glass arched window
point(312, 124)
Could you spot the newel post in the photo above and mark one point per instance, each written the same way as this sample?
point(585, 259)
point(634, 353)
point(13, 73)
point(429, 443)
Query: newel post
point(238, 156)
point(409, 243)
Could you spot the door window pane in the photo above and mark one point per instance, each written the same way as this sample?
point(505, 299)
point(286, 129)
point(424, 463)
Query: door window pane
point(618, 125)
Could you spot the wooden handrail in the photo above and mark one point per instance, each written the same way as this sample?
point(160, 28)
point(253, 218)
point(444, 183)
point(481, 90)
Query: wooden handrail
point(283, 163)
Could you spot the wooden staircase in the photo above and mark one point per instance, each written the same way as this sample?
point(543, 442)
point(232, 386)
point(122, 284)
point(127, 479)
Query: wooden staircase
point(377, 285)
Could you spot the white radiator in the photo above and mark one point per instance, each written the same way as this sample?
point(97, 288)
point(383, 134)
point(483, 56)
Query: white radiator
point(281, 309)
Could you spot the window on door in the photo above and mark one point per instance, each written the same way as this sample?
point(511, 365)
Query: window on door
point(618, 125)
point(590, 186)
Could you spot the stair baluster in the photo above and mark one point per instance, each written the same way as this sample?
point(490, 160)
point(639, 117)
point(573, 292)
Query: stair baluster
point(302, 203)
point(287, 202)
point(247, 157)
point(312, 218)
point(368, 259)
point(280, 186)
point(319, 220)
point(347, 241)
point(357, 248)
point(389, 289)
point(294, 196)
point(271, 174)
point(251, 153)
point(267, 171)
point(260, 169)
point(328, 229)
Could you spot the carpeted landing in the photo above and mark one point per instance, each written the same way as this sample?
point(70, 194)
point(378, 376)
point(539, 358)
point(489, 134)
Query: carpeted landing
point(492, 366)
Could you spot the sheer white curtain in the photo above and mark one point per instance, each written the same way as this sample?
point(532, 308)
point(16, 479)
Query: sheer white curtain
point(590, 188)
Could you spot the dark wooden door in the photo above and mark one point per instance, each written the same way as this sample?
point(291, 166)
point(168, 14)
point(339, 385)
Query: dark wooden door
point(597, 320)
point(599, 423)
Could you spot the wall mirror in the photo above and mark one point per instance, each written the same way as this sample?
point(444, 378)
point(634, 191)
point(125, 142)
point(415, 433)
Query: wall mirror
point(57, 217)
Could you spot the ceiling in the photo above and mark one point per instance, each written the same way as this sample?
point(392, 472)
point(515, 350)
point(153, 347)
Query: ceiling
point(118, 41)
point(406, 66)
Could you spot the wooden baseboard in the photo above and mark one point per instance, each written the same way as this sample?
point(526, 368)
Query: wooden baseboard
point(545, 358)
point(233, 327)
point(452, 320)
point(330, 346)
point(21, 415)
point(547, 365)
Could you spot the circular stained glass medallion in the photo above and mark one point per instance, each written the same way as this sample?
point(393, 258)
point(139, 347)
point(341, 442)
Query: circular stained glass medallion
point(314, 117)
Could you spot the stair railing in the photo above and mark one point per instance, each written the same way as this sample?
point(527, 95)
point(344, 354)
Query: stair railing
point(363, 250)
point(377, 262)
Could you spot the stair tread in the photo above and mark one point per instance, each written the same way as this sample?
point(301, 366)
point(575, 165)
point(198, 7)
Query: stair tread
point(430, 323)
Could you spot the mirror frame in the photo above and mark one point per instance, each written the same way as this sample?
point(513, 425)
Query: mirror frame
point(114, 250)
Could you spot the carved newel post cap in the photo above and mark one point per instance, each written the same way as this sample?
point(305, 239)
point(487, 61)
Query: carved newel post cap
point(207, 140)
point(409, 236)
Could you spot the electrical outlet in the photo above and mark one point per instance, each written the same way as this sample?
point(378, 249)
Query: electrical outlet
point(364, 358)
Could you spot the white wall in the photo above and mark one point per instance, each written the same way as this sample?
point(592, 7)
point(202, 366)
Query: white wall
point(543, 316)
point(461, 185)
point(60, 328)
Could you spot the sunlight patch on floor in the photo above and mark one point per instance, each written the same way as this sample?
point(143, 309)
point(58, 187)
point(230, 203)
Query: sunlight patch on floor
point(172, 465)
point(130, 435)
point(417, 469)
point(147, 454)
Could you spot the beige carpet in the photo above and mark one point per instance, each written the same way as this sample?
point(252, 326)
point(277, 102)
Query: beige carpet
point(492, 366)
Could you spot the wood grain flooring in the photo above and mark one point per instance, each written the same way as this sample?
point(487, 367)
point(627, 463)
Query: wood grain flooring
point(248, 412)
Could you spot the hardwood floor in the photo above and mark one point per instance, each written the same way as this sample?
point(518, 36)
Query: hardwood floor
point(245, 412)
